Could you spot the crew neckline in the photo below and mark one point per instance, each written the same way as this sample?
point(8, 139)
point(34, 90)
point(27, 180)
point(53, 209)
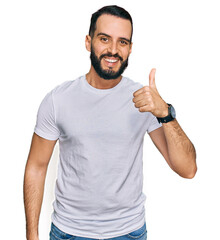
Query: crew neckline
point(97, 90)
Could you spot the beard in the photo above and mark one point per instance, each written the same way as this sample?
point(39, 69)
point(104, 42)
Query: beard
point(108, 73)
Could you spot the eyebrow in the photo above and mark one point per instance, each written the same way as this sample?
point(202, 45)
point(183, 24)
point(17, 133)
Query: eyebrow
point(122, 38)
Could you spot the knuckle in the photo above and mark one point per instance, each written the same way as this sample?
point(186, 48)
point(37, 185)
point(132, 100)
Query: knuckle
point(140, 109)
point(146, 93)
point(146, 88)
point(137, 104)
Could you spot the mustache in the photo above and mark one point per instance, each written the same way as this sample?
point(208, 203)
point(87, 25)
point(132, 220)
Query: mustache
point(110, 55)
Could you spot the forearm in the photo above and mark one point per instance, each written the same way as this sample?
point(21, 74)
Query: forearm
point(182, 154)
point(34, 180)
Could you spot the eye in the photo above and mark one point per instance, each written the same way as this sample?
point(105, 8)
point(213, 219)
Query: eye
point(123, 42)
point(104, 39)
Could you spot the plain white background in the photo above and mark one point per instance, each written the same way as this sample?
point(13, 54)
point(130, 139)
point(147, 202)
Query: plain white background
point(42, 45)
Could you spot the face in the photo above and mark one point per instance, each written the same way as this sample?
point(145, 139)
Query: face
point(110, 47)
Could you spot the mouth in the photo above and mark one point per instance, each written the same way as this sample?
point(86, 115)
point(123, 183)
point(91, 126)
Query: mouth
point(110, 61)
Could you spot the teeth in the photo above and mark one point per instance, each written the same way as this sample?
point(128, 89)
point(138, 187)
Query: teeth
point(110, 60)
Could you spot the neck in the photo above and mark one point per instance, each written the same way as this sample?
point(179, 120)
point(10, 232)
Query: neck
point(97, 82)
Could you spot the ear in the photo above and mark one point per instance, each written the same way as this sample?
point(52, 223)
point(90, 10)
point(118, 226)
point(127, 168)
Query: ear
point(88, 43)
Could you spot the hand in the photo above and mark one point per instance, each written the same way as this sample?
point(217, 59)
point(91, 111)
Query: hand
point(147, 99)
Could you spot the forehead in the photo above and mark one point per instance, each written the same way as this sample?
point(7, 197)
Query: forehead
point(113, 26)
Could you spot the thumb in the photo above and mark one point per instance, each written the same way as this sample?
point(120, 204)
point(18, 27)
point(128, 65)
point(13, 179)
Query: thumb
point(152, 78)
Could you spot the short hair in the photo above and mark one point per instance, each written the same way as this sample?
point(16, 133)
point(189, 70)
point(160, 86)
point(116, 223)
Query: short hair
point(113, 10)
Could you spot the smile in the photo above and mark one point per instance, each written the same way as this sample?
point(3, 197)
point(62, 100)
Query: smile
point(111, 60)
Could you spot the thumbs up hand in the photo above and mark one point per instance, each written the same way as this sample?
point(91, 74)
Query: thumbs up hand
point(147, 99)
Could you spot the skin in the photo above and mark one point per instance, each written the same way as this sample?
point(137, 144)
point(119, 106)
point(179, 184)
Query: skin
point(34, 179)
point(113, 40)
point(170, 139)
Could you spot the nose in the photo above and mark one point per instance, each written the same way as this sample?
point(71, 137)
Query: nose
point(113, 48)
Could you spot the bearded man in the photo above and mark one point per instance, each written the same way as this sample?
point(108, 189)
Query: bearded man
point(100, 120)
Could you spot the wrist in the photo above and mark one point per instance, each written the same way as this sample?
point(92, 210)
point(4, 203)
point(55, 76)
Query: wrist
point(33, 236)
point(165, 111)
point(169, 117)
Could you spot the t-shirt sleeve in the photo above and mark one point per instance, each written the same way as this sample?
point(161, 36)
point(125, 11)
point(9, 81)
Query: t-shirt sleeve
point(152, 123)
point(46, 121)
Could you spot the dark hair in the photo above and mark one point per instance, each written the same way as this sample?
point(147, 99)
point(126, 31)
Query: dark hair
point(111, 10)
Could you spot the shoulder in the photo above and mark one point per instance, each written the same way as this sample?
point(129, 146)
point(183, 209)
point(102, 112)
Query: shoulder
point(64, 88)
point(132, 85)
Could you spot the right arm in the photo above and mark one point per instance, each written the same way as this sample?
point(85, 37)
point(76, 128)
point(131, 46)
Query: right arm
point(34, 178)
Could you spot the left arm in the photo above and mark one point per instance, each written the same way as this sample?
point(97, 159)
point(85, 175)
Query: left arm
point(170, 139)
point(176, 148)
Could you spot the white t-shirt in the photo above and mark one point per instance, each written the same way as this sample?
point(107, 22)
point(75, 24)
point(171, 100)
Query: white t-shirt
point(99, 185)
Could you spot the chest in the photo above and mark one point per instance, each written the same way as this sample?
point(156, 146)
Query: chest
point(110, 119)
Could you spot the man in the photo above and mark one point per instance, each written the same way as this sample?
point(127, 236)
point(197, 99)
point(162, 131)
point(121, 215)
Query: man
point(100, 120)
